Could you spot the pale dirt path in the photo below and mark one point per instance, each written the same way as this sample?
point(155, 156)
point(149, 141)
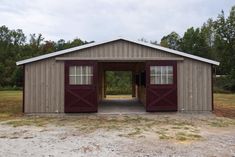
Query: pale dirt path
point(68, 141)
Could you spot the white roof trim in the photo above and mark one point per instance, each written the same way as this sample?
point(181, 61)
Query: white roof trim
point(99, 43)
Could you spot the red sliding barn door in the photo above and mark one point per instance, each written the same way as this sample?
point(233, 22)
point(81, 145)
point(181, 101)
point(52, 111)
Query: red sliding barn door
point(161, 86)
point(80, 86)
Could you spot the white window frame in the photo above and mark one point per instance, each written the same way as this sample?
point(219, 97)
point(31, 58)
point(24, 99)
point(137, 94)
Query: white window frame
point(87, 75)
point(166, 74)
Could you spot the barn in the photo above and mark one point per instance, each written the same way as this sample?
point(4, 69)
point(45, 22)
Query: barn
point(72, 80)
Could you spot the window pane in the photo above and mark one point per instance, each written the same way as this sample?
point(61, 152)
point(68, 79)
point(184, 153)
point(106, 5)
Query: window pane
point(158, 79)
point(72, 80)
point(82, 79)
point(164, 79)
point(163, 70)
point(161, 74)
point(80, 75)
point(152, 80)
point(89, 80)
point(78, 70)
point(84, 68)
point(170, 70)
point(78, 80)
point(170, 79)
point(152, 70)
point(72, 70)
point(90, 70)
point(158, 70)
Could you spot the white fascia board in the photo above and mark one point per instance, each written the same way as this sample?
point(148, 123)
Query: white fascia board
point(99, 43)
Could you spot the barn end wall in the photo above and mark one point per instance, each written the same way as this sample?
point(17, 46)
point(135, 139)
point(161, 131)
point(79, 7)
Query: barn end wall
point(194, 86)
point(44, 87)
point(44, 80)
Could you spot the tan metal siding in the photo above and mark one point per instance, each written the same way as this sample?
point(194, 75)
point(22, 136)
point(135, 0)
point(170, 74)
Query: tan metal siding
point(120, 49)
point(194, 86)
point(44, 87)
point(44, 80)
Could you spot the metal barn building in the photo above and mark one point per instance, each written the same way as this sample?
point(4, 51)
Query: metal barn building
point(73, 81)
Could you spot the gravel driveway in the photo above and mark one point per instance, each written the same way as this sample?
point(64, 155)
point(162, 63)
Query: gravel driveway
point(118, 136)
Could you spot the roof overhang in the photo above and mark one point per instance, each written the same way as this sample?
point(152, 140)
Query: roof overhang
point(58, 53)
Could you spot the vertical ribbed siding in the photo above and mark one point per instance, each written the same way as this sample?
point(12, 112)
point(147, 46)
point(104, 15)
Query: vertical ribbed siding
point(44, 87)
point(44, 80)
point(119, 49)
point(194, 86)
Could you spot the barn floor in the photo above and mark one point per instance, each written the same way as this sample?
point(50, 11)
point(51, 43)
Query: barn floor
point(121, 106)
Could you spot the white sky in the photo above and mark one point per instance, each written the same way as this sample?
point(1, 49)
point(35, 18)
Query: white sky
point(104, 19)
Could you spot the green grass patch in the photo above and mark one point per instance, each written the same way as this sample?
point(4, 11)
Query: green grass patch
point(183, 136)
point(10, 104)
point(30, 121)
point(137, 131)
point(165, 137)
point(175, 127)
point(228, 99)
point(222, 122)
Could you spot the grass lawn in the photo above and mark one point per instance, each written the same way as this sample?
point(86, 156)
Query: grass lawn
point(11, 104)
point(224, 105)
point(118, 96)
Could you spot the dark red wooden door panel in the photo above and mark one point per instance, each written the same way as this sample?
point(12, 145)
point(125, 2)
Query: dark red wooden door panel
point(161, 97)
point(81, 98)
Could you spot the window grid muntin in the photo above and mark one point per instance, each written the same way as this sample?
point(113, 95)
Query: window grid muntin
point(82, 73)
point(161, 74)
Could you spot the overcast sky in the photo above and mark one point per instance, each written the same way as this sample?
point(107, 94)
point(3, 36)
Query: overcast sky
point(104, 19)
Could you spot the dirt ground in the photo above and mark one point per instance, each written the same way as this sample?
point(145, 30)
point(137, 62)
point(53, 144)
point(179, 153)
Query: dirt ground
point(159, 134)
point(117, 136)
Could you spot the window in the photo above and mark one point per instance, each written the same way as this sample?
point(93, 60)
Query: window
point(161, 74)
point(80, 75)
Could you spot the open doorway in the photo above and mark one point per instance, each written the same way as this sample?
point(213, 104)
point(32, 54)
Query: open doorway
point(120, 88)
point(118, 85)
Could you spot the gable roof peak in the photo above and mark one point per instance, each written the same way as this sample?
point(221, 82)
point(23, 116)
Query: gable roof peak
point(158, 47)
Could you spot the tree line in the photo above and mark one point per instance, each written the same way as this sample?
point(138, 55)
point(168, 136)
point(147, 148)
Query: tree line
point(14, 47)
point(215, 39)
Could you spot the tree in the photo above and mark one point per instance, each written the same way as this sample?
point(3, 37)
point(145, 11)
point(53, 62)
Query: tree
point(225, 46)
point(225, 40)
point(171, 41)
point(11, 42)
point(13, 47)
point(48, 46)
point(60, 45)
point(194, 42)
